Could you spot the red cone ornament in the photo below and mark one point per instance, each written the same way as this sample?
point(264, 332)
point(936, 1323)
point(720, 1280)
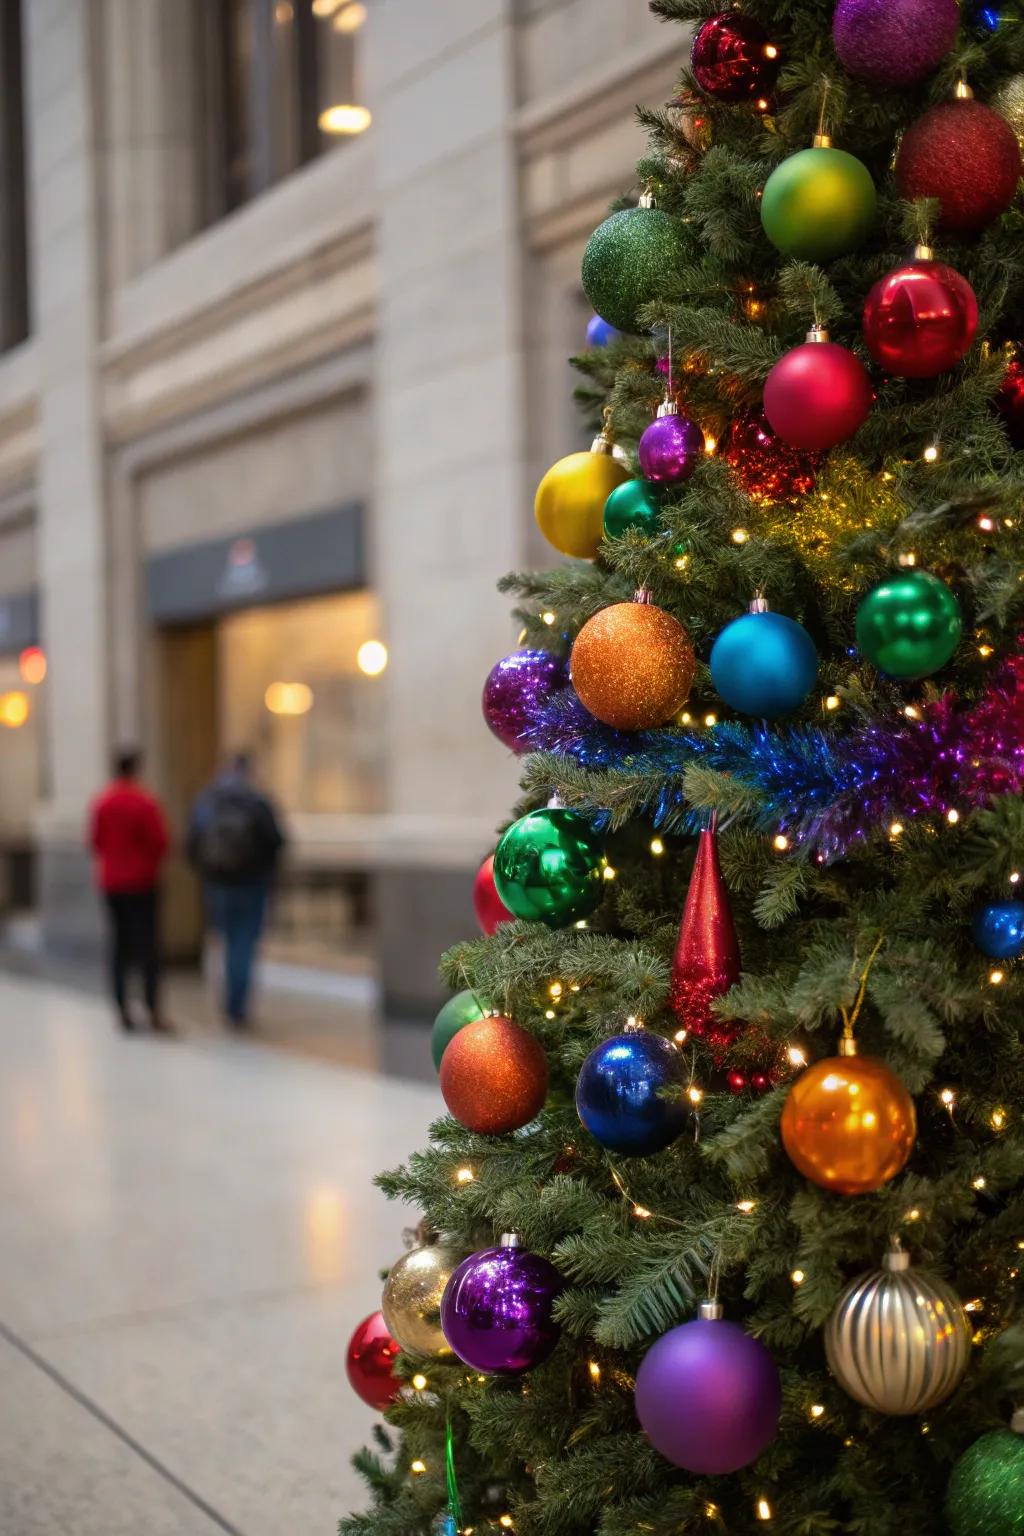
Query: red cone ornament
point(707, 957)
point(487, 904)
point(818, 395)
point(920, 320)
point(966, 156)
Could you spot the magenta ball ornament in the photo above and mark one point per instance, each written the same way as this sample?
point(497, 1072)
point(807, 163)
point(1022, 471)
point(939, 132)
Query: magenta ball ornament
point(496, 1311)
point(733, 58)
point(708, 1396)
point(516, 688)
point(670, 448)
point(894, 42)
point(817, 395)
point(920, 320)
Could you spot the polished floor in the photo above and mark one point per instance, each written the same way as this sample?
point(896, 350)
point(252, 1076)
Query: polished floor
point(188, 1232)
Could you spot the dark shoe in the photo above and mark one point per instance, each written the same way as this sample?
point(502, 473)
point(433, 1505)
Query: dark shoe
point(239, 1024)
point(162, 1027)
point(127, 1023)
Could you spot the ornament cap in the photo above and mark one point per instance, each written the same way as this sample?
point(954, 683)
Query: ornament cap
point(554, 802)
point(758, 603)
point(821, 141)
point(667, 407)
point(711, 1311)
point(510, 1240)
point(603, 443)
point(923, 252)
point(643, 595)
point(646, 199)
point(896, 1257)
point(847, 1046)
point(1017, 1422)
point(963, 91)
point(817, 333)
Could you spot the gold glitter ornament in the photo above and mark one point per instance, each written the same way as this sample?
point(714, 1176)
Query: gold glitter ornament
point(411, 1302)
point(632, 665)
point(569, 504)
point(1009, 103)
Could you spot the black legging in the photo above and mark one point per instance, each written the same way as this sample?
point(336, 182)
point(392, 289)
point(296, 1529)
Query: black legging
point(133, 944)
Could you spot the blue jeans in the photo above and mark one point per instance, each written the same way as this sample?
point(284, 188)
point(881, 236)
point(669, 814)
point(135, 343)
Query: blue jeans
point(237, 912)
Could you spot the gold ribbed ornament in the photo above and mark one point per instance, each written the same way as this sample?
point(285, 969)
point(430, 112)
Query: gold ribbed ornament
point(1009, 103)
point(899, 1339)
point(411, 1302)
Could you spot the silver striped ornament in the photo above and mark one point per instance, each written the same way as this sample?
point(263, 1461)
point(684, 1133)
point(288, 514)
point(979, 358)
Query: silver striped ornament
point(898, 1340)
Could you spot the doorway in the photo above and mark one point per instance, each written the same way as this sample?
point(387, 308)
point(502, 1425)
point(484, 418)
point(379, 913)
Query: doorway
point(189, 752)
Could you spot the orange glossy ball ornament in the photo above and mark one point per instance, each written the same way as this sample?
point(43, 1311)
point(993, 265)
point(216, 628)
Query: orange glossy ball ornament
point(632, 665)
point(849, 1124)
point(494, 1076)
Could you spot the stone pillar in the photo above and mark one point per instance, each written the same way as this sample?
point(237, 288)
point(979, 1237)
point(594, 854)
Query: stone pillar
point(66, 305)
point(450, 508)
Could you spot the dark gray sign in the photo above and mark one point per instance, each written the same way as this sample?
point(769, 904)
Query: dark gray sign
point(19, 621)
point(321, 552)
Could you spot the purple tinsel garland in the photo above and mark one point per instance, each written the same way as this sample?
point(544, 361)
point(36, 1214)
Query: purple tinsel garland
point(824, 790)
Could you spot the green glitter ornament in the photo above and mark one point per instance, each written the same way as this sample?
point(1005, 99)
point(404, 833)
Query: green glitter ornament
point(635, 504)
point(986, 1490)
point(549, 867)
point(630, 260)
point(909, 626)
point(819, 204)
point(462, 1009)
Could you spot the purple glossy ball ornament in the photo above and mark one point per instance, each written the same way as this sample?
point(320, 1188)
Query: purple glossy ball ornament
point(515, 689)
point(496, 1309)
point(708, 1395)
point(671, 447)
point(894, 42)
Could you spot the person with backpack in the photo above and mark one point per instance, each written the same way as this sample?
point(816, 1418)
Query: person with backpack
point(235, 842)
point(128, 837)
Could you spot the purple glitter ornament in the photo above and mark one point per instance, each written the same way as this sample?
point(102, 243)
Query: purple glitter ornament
point(708, 1395)
point(670, 448)
point(496, 1309)
point(515, 689)
point(894, 42)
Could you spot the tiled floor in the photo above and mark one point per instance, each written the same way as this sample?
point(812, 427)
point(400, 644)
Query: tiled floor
point(188, 1232)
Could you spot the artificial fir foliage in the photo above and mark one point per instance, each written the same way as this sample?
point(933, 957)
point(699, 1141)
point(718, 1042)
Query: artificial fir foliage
point(859, 836)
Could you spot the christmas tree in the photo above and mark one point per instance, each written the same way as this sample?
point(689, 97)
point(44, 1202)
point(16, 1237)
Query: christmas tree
point(724, 1229)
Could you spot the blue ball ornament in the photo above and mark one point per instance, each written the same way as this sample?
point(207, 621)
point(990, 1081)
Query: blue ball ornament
point(619, 1093)
point(998, 930)
point(764, 664)
point(600, 333)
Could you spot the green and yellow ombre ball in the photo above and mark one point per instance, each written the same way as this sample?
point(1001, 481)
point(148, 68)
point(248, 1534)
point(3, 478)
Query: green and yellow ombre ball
point(819, 204)
point(636, 504)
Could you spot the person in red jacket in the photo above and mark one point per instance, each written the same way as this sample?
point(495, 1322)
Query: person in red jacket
point(128, 835)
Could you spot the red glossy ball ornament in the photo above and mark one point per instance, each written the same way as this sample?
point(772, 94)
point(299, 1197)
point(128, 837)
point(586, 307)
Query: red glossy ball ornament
point(921, 319)
point(369, 1360)
point(1009, 399)
point(487, 904)
point(766, 467)
point(966, 156)
point(818, 395)
point(733, 58)
point(494, 1076)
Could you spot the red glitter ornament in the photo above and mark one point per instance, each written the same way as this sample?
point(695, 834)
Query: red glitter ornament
point(921, 319)
point(487, 904)
point(766, 467)
point(733, 58)
point(371, 1355)
point(966, 156)
point(1009, 399)
point(494, 1076)
point(818, 395)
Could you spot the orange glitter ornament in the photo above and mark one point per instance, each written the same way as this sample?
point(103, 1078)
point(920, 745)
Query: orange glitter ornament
point(632, 665)
point(494, 1076)
point(848, 1123)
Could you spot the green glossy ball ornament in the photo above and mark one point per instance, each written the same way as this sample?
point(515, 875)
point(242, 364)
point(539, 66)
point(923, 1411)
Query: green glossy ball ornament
point(462, 1009)
point(986, 1489)
point(909, 626)
point(549, 867)
point(636, 504)
point(819, 204)
point(630, 260)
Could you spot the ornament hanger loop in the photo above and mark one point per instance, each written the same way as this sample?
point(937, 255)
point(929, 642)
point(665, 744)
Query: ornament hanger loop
point(822, 139)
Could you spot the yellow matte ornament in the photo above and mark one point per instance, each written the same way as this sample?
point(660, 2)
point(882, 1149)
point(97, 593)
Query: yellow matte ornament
point(570, 499)
point(411, 1302)
point(632, 665)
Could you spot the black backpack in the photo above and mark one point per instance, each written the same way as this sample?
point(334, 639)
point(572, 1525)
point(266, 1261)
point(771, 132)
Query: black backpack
point(232, 844)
